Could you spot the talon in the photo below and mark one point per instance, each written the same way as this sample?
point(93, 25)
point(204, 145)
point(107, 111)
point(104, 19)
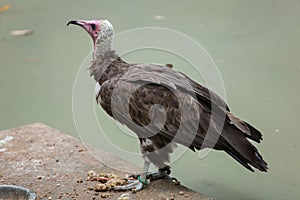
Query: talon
point(174, 180)
point(168, 171)
point(133, 176)
point(150, 177)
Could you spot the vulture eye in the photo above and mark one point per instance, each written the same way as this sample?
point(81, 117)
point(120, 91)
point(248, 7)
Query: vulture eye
point(93, 27)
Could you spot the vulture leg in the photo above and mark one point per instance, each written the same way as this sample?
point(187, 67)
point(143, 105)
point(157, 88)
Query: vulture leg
point(138, 184)
point(163, 173)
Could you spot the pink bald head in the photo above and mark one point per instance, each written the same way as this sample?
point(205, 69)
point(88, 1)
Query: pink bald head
point(91, 26)
point(101, 31)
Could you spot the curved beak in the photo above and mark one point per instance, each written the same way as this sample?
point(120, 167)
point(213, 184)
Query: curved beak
point(75, 22)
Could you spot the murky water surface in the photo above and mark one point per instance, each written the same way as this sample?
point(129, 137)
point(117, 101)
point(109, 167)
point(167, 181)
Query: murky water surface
point(255, 45)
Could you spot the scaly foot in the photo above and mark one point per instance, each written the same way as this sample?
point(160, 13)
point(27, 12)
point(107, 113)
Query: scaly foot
point(134, 185)
point(163, 173)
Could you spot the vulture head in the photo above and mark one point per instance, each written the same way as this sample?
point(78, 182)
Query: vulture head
point(101, 32)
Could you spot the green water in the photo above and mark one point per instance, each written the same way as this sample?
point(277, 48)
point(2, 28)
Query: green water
point(255, 45)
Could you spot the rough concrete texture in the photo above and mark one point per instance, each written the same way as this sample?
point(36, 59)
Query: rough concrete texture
point(55, 166)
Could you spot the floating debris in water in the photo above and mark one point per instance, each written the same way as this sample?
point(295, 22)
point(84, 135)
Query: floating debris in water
point(276, 130)
point(21, 32)
point(5, 8)
point(159, 17)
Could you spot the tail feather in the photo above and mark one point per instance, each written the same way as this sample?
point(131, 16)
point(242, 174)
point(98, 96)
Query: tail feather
point(237, 146)
point(255, 134)
point(239, 158)
point(256, 160)
point(248, 130)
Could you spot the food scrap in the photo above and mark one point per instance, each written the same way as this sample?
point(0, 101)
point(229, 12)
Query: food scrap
point(106, 181)
point(124, 197)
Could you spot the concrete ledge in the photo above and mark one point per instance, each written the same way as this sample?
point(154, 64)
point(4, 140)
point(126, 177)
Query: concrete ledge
point(54, 165)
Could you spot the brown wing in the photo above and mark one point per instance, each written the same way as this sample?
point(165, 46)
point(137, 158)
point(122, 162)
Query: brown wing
point(166, 76)
point(161, 75)
point(150, 108)
point(163, 86)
